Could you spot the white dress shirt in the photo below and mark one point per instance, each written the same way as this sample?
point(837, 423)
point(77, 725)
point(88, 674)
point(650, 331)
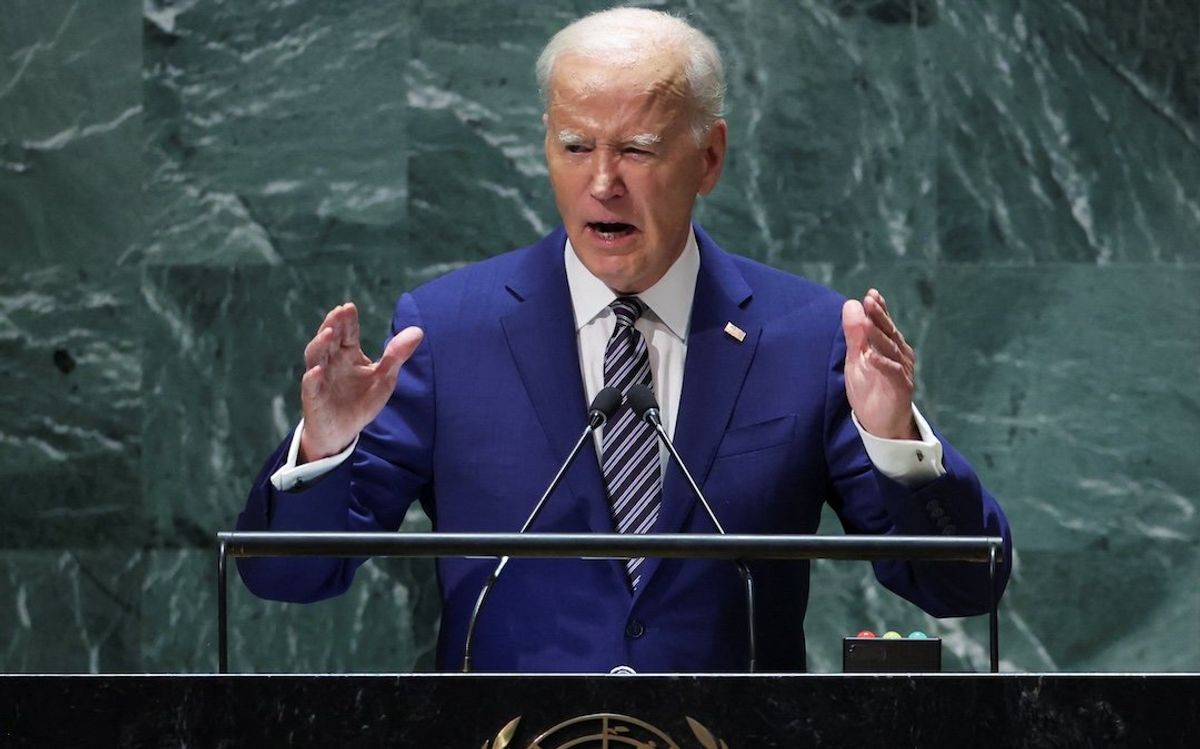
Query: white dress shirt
point(665, 327)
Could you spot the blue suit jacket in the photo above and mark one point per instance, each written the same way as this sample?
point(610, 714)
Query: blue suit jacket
point(492, 400)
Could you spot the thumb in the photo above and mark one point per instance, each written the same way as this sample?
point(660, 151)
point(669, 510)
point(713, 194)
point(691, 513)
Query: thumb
point(854, 326)
point(399, 349)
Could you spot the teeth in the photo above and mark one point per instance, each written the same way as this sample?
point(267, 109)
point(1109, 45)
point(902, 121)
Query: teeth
point(611, 230)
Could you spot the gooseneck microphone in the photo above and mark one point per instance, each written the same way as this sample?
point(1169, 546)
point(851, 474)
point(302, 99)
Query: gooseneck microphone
point(643, 403)
point(604, 405)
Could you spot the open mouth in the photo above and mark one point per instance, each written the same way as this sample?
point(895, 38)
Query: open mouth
point(611, 230)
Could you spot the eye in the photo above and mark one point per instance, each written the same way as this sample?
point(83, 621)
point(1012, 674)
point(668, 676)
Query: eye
point(638, 153)
point(576, 148)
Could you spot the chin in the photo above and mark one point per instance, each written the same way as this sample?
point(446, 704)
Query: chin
point(613, 270)
point(621, 283)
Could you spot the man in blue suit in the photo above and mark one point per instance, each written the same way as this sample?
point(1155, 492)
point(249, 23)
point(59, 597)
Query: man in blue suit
point(780, 396)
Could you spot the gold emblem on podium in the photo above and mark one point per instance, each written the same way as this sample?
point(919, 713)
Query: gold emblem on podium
point(602, 731)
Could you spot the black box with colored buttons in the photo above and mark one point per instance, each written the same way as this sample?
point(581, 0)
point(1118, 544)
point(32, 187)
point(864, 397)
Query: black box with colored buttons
point(862, 655)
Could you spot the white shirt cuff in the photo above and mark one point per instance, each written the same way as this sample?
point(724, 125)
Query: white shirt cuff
point(290, 476)
point(909, 462)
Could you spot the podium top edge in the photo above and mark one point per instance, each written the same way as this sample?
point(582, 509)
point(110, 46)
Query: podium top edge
point(979, 549)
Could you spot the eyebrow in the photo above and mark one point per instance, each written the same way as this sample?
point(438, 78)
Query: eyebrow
point(570, 138)
point(644, 140)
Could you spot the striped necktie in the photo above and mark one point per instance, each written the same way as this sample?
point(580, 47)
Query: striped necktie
point(630, 455)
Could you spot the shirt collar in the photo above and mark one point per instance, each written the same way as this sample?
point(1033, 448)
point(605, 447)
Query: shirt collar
point(670, 299)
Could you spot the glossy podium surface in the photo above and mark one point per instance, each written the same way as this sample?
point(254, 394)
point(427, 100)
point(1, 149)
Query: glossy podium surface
point(1007, 710)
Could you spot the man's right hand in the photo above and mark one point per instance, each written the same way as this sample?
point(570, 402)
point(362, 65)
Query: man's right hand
point(342, 389)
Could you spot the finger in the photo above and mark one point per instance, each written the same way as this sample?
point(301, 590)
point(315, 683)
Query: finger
point(876, 310)
point(399, 349)
point(867, 327)
point(311, 384)
point(349, 333)
point(325, 339)
point(877, 295)
point(343, 320)
point(887, 347)
point(331, 318)
point(319, 348)
point(338, 325)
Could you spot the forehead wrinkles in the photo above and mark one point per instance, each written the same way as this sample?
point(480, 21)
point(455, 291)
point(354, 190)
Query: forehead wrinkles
point(634, 95)
point(658, 73)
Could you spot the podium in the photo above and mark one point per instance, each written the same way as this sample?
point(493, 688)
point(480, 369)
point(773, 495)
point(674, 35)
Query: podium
point(590, 712)
point(679, 711)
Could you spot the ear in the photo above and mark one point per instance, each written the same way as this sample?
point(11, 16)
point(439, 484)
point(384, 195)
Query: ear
point(714, 155)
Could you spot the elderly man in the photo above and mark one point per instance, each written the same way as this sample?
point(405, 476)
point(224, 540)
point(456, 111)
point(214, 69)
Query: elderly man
point(779, 394)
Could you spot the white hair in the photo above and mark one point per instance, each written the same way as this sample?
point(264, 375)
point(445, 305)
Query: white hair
point(631, 30)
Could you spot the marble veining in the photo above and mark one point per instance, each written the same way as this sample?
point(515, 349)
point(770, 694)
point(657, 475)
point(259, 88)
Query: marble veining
point(186, 187)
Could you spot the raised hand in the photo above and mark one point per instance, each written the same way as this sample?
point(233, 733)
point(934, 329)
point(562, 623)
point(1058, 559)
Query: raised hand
point(880, 369)
point(342, 389)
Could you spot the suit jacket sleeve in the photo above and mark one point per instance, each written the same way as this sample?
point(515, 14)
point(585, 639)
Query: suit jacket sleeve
point(956, 503)
point(370, 491)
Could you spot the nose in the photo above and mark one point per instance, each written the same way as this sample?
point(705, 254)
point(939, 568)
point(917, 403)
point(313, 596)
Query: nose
point(606, 175)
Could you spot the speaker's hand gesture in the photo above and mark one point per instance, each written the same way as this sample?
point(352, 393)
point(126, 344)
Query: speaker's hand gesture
point(342, 389)
point(880, 369)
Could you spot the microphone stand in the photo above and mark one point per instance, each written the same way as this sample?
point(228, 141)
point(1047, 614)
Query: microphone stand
point(643, 401)
point(605, 404)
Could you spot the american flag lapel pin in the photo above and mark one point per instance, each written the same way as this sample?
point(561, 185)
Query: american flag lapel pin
point(735, 332)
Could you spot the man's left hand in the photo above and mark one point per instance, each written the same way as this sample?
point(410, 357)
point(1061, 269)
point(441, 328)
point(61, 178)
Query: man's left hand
point(880, 369)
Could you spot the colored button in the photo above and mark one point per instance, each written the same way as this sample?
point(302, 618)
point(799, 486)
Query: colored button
point(892, 635)
point(918, 635)
point(635, 629)
point(866, 633)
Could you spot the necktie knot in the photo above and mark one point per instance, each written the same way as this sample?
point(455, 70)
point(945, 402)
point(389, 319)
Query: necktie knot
point(627, 309)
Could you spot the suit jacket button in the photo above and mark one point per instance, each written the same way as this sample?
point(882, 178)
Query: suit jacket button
point(634, 629)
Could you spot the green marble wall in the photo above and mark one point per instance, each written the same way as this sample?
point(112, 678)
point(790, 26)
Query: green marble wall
point(185, 187)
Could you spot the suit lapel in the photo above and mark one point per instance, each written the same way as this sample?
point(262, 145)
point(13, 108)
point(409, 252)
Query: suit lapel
point(541, 337)
point(712, 380)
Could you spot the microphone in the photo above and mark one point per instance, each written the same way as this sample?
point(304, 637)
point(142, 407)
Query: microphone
point(604, 405)
point(643, 403)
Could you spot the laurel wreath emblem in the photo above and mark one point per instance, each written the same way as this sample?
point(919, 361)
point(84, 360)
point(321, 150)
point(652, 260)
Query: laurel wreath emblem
point(608, 729)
